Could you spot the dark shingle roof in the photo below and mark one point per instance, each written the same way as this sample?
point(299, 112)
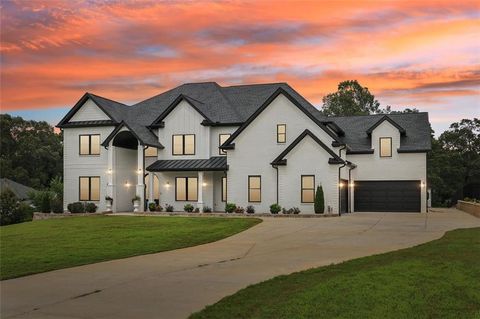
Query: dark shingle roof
point(20, 190)
point(216, 163)
point(416, 126)
point(235, 104)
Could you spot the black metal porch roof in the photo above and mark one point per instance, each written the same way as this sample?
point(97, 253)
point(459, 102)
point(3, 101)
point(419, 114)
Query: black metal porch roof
point(216, 163)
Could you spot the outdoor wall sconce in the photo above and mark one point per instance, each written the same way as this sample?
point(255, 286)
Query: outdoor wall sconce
point(167, 185)
point(109, 171)
point(422, 185)
point(127, 184)
point(204, 184)
point(340, 185)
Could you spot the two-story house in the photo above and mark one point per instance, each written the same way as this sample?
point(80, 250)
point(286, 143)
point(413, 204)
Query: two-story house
point(205, 144)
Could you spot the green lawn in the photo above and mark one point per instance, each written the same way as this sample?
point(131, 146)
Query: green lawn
point(439, 279)
point(45, 245)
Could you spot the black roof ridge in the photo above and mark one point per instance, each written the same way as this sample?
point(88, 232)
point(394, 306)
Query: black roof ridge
point(255, 84)
point(378, 114)
point(106, 98)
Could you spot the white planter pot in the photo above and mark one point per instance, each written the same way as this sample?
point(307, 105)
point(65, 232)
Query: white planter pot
point(109, 206)
point(136, 205)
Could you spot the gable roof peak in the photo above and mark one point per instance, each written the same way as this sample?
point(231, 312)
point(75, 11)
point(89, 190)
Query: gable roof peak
point(389, 120)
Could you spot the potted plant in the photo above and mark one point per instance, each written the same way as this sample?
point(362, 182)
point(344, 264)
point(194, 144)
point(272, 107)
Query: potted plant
point(109, 202)
point(136, 203)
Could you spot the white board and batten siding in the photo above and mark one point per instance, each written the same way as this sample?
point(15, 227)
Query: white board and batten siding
point(256, 147)
point(89, 112)
point(184, 119)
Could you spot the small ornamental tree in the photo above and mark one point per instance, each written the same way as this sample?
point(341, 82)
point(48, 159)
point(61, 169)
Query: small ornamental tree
point(319, 201)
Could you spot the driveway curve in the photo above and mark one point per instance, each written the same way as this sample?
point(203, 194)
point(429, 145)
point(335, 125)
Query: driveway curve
point(176, 283)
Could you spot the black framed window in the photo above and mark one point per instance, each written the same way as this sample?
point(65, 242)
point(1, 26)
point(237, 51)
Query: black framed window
point(308, 188)
point(89, 144)
point(89, 188)
point(224, 189)
point(281, 133)
point(254, 188)
point(151, 151)
point(385, 146)
point(183, 144)
point(221, 139)
point(186, 189)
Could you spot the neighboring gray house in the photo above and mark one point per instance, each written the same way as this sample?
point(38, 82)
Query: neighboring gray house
point(205, 144)
point(21, 191)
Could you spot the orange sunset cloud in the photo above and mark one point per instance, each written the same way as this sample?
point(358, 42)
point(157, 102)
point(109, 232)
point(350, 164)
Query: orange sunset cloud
point(422, 54)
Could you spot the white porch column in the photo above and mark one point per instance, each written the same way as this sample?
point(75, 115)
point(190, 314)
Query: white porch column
point(110, 172)
point(151, 179)
point(140, 192)
point(200, 191)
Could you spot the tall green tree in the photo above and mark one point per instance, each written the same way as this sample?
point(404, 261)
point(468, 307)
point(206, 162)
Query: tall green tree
point(454, 161)
point(351, 99)
point(31, 153)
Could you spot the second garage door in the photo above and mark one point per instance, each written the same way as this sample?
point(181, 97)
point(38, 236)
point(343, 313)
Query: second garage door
point(387, 196)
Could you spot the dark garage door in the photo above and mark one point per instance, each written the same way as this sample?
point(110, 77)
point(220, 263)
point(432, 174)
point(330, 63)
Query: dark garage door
point(387, 196)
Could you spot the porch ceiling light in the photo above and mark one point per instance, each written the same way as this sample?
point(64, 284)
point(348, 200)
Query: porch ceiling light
point(341, 185)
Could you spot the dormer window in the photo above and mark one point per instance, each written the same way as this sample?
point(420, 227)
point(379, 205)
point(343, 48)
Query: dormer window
point(281, 133)
point(385, 147)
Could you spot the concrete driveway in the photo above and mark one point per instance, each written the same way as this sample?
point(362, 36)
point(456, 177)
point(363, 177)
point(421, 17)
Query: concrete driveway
point(176, 283)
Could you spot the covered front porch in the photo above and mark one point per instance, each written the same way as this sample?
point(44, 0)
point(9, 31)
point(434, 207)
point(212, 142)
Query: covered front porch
point(199, 182)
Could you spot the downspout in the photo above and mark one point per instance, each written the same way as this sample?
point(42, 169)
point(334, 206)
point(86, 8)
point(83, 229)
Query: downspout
point(339, 178)
point(145, 205)
point(276, 168)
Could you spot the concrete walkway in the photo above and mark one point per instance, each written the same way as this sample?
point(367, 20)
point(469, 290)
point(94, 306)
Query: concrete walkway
point(176, 283)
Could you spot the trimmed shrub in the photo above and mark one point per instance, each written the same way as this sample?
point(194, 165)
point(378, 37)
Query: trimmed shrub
point(207, 209)
point(76, 208)
point(188, 208)
point(239, 210)
point(12, 211)
point(319, 205)
point(152, 207)
point(169, 208)
point(250, 209)
point(230, 207)
point(90, 207)
point(275, 208)
point(57, 205)
point(290, 211)
point(197, 210)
